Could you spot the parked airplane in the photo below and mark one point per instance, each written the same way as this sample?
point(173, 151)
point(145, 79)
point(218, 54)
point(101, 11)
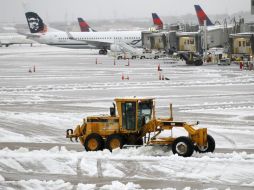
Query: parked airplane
point(7, 39)
point(159, 25)
point(210, 26)
point(202, 16)
point(84, 27)
point(157, 21)
point(85, 40)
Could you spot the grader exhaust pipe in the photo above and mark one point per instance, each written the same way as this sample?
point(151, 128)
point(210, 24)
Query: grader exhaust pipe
point(171, 111)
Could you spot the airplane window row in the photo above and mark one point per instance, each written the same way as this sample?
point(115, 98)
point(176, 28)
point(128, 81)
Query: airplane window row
point(102, 38)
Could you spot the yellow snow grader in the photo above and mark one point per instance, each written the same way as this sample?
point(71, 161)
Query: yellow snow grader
point(132, 121)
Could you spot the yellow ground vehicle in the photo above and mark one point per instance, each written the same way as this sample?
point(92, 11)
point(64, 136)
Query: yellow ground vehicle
point(136, 122)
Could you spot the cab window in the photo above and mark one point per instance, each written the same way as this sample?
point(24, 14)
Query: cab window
point(129, 115)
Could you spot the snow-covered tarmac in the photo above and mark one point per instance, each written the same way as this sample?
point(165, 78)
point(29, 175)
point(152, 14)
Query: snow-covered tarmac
point(36, 108)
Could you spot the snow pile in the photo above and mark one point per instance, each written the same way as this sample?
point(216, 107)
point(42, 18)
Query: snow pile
point(139, 163)
point(54, 161)
point(1, 178)
point(81, 186)
point(60, 184)
point(37, 184)
point(116, 185)
point(103, 163)
point(147, 151)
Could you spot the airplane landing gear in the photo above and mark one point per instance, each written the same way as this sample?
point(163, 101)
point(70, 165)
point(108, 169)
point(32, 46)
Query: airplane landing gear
point(103, 52)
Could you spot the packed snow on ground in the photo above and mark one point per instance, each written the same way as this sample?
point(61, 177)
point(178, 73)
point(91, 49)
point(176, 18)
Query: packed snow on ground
point(68, 86)
point(60, 184)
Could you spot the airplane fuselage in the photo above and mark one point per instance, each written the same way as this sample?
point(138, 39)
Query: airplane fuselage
point(89, 40)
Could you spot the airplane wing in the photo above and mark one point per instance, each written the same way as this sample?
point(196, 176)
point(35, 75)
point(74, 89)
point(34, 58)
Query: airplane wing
point(99, 44)
point(30, 35)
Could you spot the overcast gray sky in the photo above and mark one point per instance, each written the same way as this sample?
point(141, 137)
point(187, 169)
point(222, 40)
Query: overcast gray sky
point(68, 10)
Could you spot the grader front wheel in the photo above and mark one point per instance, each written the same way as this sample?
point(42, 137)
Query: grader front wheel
point(94, 142)
point(210, 145)
point(183, 146)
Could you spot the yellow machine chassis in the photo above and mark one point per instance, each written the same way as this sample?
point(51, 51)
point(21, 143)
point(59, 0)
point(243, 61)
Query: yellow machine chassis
point(108, 125)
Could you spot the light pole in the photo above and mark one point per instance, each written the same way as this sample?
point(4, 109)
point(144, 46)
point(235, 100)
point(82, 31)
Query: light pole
point(205, 39)
point(252, 7)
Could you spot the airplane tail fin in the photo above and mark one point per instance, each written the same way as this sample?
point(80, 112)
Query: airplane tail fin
point(84, 27)
point(157, 21)
point(202, 16)
point(35, 23)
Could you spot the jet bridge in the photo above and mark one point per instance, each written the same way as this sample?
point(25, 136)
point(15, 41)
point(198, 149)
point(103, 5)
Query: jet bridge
point(155, 40)
point(189, 41)
point(242, 45)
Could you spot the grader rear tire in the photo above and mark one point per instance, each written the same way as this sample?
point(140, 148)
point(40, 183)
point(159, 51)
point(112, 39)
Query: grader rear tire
point(94, 142)
point(210, 145)
point(183, 146)
point(114, 141)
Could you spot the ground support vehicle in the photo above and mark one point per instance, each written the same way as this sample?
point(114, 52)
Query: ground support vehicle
point(135, 123)
point(224, 61)
point(152, 55)
point(191, 58)
point(126, 55)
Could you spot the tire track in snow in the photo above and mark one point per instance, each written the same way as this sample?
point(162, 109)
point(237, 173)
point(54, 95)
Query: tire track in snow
point(99, 168)
point(233, 143)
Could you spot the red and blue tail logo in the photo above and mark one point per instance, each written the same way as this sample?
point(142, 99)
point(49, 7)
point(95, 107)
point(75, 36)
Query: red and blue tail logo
point(84, 27)
point(202, 16)
point(157, 21)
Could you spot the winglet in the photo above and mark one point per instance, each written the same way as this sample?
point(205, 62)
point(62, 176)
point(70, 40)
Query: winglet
point(202, 16)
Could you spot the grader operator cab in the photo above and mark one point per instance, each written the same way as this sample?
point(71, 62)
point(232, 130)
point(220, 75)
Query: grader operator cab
point(132, 121)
